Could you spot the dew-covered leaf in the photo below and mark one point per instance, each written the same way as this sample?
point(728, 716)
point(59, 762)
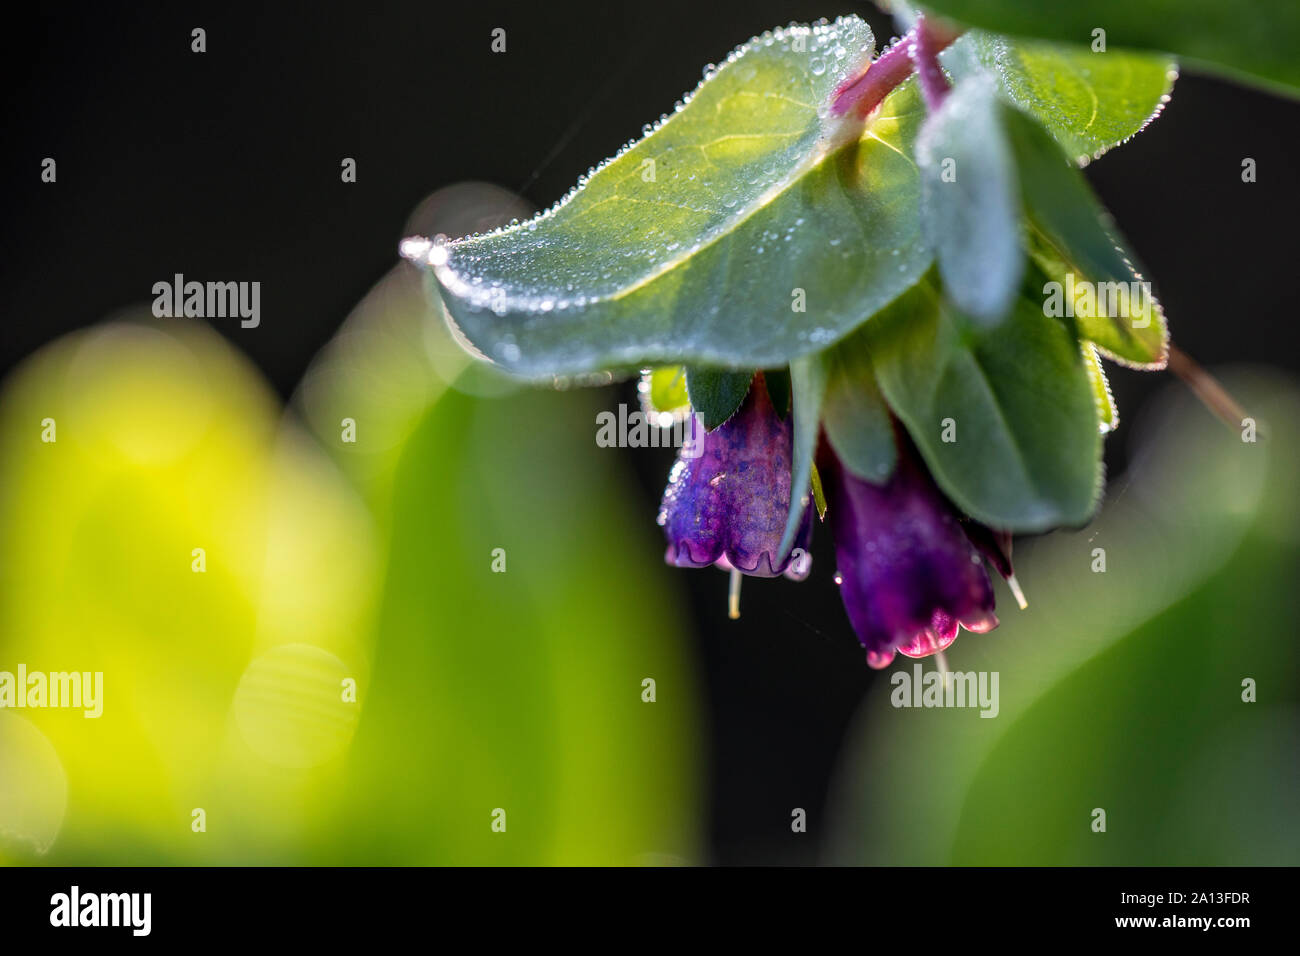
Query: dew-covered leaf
point(970, 202)
point(1258, 41)
point(744, 230)
point(716, 393)
point(1004, 417)
point(1075, 242)
point(1088, 101)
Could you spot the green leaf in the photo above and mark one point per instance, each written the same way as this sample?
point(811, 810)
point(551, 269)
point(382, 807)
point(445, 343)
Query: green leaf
point(855, 417)
point(1088, 101)
point(1107, 413)
point(808, 377)
point(970, 203)
point(1139, 341)
point(1075, 242)
point(1257, 43)
point(663, 389)
point(743, 231)
point(1025, 453)
point(716, 394)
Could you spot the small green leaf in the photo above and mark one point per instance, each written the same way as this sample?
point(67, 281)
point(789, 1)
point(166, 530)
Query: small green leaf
point(1139, 341)
point(1075, 242)
point(716, 394)
point(1258, 42)
point(1107, 413)
point(1004, 417)
point(1089, 102)
point(663, 389)
point(856, 420)
point(970, 202)
point(743, 231)
point(808, 386)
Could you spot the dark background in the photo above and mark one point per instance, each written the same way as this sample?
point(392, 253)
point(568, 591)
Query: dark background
point(226, 164)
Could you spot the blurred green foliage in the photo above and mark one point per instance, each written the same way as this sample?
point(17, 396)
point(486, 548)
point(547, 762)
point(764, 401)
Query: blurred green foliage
point(347, 680)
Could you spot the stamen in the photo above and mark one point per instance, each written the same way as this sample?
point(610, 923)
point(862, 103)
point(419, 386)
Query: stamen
point(733, 595)
point(1018, 594)
point(941, 662)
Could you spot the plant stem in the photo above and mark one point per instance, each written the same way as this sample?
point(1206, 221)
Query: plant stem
point(1205, 387)
point(924, 50)
point(865, 92)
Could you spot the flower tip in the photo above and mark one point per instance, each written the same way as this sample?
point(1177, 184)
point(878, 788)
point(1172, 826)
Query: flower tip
point(931, 640)
point(982, 624)
point(879, 660)
point(681, 557)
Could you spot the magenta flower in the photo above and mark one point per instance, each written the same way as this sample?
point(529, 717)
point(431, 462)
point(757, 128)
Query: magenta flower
point(729, 505)
point(908, 573)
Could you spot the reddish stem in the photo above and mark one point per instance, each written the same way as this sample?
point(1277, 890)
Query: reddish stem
point(925, 47)
point(863, 93)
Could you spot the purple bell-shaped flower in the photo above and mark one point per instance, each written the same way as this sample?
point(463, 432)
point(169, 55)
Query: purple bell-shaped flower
point(908, 573)
point(728, 502)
